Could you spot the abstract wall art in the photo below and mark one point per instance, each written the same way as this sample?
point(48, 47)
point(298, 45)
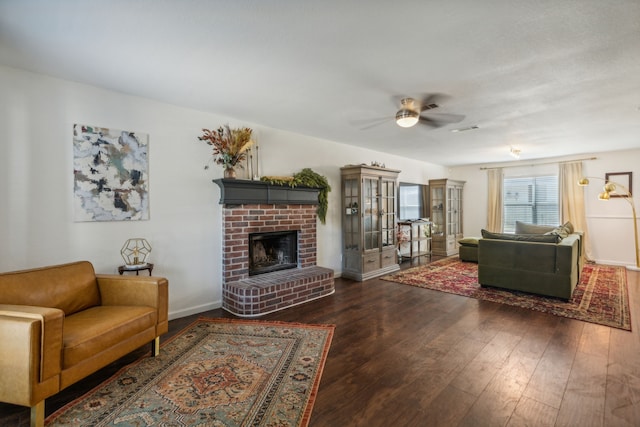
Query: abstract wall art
point(110, 169)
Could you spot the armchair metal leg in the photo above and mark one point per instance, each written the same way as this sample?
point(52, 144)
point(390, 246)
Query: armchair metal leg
point(155, 347)
point(37, 414)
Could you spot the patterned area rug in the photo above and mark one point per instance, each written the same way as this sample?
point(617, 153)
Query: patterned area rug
point(600, 297)
point(216, 372)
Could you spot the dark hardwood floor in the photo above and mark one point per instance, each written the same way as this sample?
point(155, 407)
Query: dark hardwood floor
point(405, 356)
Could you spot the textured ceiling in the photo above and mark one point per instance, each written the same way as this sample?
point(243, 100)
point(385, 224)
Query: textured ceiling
point(551, 78)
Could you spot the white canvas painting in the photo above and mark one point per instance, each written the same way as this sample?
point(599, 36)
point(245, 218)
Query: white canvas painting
point(110, 174)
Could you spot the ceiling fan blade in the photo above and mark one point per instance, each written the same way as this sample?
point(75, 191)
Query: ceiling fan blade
point(430, 122)
point(446, 117)
point(365, 124)
point(432, 100)
point(437, 120)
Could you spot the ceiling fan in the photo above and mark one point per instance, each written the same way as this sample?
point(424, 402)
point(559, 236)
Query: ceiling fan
point(410, 113)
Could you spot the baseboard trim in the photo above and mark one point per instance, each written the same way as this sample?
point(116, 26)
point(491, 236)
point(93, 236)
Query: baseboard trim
point(194, 310)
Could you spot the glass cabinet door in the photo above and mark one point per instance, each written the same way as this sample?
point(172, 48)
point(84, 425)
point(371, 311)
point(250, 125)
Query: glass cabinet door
point(450, 211)
point(352, 214)
point(388, 213)
point(437, 200)
point(453, 210)
point(458, 194)
point(370, 215)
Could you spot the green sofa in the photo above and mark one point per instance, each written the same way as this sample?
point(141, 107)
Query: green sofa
point(531, 262)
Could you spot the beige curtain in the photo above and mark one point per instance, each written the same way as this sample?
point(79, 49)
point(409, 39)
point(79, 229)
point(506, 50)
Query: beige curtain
point(426, 211)
point(494, 206)
point(572, 201)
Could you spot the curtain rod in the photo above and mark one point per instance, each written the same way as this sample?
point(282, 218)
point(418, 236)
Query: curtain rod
point(538, 164)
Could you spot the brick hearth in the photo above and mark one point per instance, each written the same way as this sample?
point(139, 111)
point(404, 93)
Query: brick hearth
point(257, 295)
point(274, 291)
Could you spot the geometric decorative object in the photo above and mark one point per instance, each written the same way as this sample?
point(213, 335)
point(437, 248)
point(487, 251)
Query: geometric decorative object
point(135, 251)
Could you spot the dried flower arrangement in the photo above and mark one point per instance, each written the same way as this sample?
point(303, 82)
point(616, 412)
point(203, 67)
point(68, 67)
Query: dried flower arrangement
point(229, 145)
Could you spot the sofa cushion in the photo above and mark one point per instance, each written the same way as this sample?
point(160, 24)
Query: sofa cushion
point(468, 241)
point(524, 228)
point(539, 238)
point(96, 329)
point(68, 287)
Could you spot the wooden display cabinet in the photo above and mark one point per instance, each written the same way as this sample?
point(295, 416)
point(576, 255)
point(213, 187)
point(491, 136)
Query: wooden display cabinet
point(369, 221)
point(446, 215)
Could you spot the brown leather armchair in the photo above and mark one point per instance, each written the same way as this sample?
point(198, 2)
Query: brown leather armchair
point(59, 324)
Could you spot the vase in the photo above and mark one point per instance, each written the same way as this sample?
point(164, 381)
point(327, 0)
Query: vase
point(230, 173)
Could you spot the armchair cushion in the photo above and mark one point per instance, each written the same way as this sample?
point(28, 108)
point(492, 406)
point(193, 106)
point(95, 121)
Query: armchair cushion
point(96, 329)
point(469, 241)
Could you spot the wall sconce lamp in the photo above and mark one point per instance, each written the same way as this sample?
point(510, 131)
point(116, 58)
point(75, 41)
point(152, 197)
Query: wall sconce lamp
point(515, 152)
point(609, 187)
point(135, 251)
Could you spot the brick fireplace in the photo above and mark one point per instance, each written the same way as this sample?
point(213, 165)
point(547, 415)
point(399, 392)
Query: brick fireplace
point(252, 207)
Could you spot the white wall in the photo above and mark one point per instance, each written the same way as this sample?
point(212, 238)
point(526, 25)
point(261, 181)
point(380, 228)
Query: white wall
point(37, 228)
point(610, 224)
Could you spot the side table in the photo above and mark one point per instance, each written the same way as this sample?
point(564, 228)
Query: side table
point(419, 241)
point(136, 268)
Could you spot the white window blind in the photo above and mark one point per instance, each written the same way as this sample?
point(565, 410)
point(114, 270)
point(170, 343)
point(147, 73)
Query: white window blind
point(533, 200)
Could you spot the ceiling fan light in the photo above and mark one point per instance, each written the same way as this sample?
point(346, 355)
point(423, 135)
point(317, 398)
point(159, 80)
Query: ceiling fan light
point(406, 118)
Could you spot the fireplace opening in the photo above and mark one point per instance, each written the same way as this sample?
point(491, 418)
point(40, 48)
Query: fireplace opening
point(272, 251)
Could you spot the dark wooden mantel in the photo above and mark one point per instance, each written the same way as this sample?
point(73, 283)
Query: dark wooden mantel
point(244, 191)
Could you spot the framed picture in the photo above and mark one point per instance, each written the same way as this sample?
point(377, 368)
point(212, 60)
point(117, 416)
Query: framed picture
point(110, 173)
point(625, 179)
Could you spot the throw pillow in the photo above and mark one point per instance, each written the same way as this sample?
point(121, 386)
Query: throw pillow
point(569, 227)
point(563, 231)
point(539, 238)
point(524, 228)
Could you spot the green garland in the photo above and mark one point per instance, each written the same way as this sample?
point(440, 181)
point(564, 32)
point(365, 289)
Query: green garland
point(308, 178)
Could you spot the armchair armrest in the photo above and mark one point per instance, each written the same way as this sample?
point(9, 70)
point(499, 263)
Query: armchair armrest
point(30, 354)
point(137, 290)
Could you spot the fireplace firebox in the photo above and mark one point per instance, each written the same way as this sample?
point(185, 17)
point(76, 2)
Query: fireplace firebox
point(272, 251)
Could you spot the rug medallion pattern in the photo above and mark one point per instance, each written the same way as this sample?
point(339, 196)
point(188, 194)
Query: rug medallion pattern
point(601, 295)
point(218, 372)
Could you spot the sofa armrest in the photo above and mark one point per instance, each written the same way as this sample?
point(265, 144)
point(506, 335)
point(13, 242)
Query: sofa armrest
point(568, 258)
point(137, 290)
point(30, 354)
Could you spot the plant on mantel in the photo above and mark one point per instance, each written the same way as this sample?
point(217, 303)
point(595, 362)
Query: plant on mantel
point(229, 146)
point(306, 178)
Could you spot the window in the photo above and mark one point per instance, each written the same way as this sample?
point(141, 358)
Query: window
point(532, 199)
point(410, 201)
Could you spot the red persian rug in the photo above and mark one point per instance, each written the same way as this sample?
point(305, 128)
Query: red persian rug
point(216, 372)
point(600, 297)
